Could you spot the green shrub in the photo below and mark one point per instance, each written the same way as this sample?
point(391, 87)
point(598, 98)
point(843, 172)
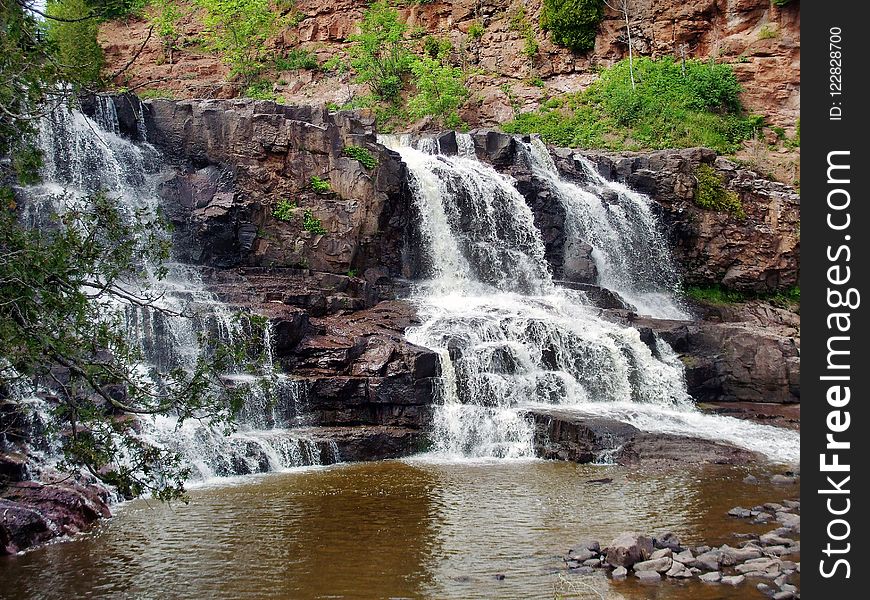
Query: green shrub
point(440, 91)
point(667, 109)
point(312, 224)
point(519, 22)
point(284, 210)
point(716, 294)
point(239, 30)
point(767, 33)
point(76, 40)
point(320, 186)
point(362, 155)
point(164, 17)
point(260, 90)
point(572, 23)
point(379, 52)
point(475, 30)
point(297, 59)
point(353, 273)
point(711, 194)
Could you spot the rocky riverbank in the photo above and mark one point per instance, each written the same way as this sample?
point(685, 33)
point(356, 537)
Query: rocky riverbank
point(769, 561)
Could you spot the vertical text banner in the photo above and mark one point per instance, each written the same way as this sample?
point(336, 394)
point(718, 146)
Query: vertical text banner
point(835, 370)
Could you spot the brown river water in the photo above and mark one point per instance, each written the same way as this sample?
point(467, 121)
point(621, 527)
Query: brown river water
point(396, 529)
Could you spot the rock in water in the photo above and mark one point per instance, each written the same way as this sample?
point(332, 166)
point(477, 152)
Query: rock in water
point(629, 548)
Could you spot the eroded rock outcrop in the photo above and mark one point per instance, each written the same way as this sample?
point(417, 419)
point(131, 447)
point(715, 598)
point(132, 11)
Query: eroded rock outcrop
point(760, 40)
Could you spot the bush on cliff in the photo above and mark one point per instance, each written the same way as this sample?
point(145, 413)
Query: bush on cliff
point(674, 105)
point(239, 30)
point(440, 88)
point(379, 52)
point(572, 23)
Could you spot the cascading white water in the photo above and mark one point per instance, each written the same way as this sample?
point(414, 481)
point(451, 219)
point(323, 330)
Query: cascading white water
point(628, 247)
point(509, 340)
point(83, 156)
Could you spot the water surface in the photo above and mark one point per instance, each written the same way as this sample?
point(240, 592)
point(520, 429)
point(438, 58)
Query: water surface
point(412, 529)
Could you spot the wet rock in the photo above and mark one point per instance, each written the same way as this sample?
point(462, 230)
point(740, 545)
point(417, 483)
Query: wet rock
point(789, 520)
point(750, 479)
point(732, 556)
point(783, 596)
point(712, 577)
point(679, 571)
point(783, 479)
point(661, 553)
point(668, 541)
point(740, 513)
point(590, 544)
point(619, 573)
point(709, 560)
point(761, 567)
point(659, 565)
point(581, 554)
point(592, 562)
point(648, 575)
point(686, 557)
point(733, 580)
point(584, 570)
point(769, 539)
point(627, 549)
point(793, 504)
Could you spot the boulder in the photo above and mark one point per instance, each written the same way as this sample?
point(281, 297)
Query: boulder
point(627, 549)
point(660, 565)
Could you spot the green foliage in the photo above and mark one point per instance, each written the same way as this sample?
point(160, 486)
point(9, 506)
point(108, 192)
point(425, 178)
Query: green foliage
point(353, 273)
point(284, 210)
point(379, 53)
point(795, 142)
point(312, 224)
point(75, 39)
point(239, 30)
point(260, 90)
point(362, 155)
point(475, 30)
point(519, 22)
point(337, 64)
point(164, 17)
point(716, 294)
point(572, 23)
point(436, 47)
point(297, 59)
point(781, 2)
point(767, 33)
point(440, 90)
point(536, 82)
point(64, 291)
point(320, 186)
point(710, 193)
point(666, 110)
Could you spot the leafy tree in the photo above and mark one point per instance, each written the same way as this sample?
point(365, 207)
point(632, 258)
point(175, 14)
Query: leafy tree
point(164, 16)
point(573, 23)
point(63, 296)
point(379, 52)
point(440, 88)
point(76, 38)
point(239, 30)
point(66, 285)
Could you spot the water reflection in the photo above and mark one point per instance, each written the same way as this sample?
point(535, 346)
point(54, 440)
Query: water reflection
point(389, 530)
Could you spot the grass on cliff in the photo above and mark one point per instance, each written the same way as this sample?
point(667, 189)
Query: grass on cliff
point(789, 298)
point(675, 105)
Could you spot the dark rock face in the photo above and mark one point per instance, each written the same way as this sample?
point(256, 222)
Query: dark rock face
point(565, 435)
point(238, 161)
point(31, 513)
point(749, 354)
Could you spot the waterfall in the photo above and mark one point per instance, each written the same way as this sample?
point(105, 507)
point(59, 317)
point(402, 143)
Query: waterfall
point(628, 248)
point(84, 155)
point(509, 340)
